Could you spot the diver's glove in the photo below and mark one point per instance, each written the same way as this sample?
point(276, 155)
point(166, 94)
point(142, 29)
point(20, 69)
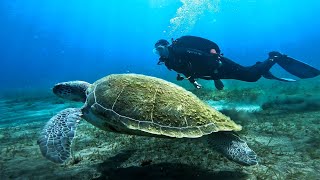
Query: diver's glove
point(197, 85)
point(275, 55)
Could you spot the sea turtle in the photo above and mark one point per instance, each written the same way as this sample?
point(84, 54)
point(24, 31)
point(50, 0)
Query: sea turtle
point(140, 105)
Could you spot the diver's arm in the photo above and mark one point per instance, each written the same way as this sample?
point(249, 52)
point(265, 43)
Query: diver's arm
point(191, 80)
point(179, 77)
point(194, 82)
point(197, 85)
point(218, 84)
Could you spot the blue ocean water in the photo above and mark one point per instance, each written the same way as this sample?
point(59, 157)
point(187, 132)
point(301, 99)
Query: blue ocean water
point(46, 42)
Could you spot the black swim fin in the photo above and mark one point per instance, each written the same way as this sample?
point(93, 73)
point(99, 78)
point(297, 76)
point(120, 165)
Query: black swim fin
point(298, 68)
point(269, 75)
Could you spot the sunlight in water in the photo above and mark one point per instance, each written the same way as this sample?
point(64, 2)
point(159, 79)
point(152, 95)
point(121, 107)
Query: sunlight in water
point(188, 14)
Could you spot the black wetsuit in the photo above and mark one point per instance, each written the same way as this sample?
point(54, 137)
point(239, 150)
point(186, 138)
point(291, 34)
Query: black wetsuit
point(232, 70)
point(190, 56)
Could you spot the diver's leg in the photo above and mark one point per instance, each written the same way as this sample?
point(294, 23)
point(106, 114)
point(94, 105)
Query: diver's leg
point(293, 66)
point(263, 67)
point(231, 70)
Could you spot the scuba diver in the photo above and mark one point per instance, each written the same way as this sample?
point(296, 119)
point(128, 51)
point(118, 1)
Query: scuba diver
point(196, 57)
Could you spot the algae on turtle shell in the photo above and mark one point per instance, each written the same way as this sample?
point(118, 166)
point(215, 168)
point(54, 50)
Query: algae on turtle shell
point(156, 106)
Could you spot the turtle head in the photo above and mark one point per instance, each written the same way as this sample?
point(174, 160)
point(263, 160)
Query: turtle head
point(72, 90)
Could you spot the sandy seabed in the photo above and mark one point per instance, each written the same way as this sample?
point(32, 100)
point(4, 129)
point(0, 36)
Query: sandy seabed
point(286, 139)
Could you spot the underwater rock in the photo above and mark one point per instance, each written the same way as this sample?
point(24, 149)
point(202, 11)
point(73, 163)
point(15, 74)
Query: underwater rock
point(293, 103)
point(235, 106)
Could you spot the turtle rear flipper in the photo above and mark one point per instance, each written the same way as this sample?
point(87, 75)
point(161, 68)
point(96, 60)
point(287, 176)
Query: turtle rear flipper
point(56, 137)
point(233, 147)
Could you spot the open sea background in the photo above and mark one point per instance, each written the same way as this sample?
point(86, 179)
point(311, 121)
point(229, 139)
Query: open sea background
point(46, 42)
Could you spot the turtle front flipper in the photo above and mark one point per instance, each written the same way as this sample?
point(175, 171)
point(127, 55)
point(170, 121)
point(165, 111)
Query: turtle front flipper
point(56, 137)
point(233, 147)
point(72, 90)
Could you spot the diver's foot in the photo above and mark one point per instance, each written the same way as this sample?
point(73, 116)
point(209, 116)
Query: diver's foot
point(197, 85)
point(275, 55)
